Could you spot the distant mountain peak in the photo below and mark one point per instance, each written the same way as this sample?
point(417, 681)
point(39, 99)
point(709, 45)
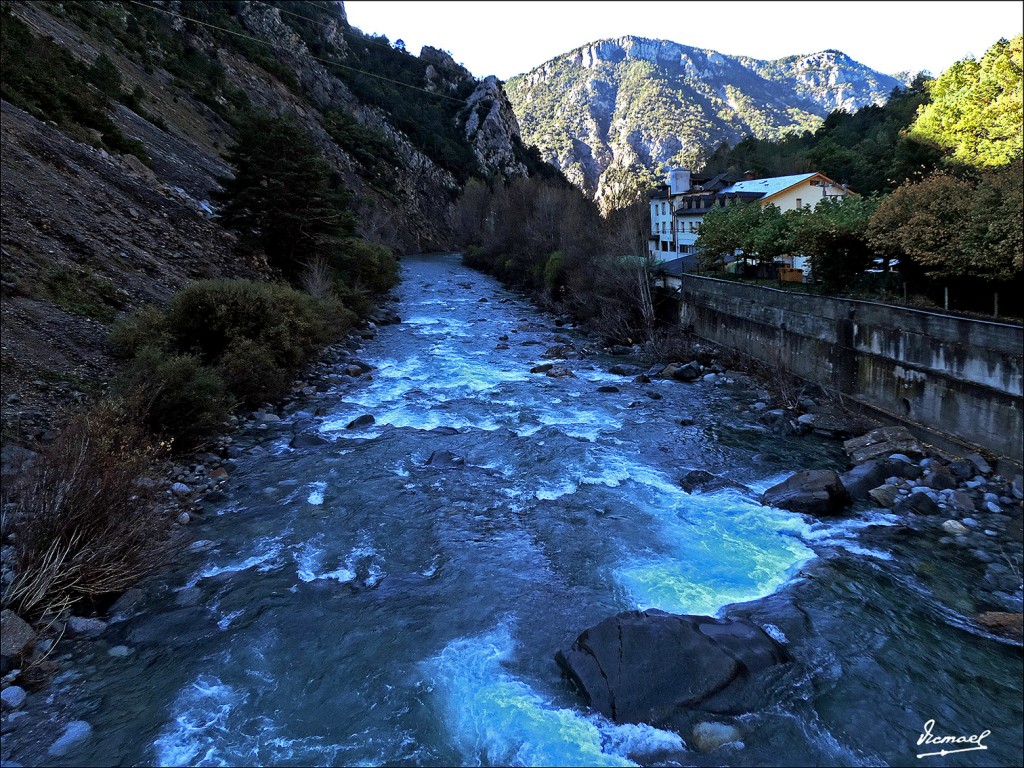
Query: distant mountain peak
point(613, 112)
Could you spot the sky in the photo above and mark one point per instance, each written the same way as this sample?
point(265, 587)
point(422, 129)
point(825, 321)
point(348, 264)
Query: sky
point(509, 37)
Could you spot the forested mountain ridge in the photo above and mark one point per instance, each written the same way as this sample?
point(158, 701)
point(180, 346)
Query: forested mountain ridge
point(610, 113)
point(118, 118)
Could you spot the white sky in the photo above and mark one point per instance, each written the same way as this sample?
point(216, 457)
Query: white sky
point(508, 37)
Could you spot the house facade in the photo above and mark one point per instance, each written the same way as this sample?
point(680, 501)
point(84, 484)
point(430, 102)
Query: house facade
point(678, 207)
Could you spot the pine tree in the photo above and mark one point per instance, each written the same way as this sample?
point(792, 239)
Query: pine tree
point(284, 196)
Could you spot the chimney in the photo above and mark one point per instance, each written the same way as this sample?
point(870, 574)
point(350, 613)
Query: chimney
point(678, 181)
point(749, 175)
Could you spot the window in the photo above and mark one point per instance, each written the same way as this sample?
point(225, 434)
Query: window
point(662, 209)
point(664, 245)
point(799, 203)
point(664, 227)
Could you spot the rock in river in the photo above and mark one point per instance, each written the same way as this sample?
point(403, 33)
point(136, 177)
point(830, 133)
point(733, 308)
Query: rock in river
point(811, 492)
point(362, 421)
point(648, 666)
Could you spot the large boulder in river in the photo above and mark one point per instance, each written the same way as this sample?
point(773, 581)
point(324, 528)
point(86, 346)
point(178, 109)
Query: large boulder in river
point(688, 372)
point(811, 492)
point(882, 443)
point(860, 480)
point(649, 666)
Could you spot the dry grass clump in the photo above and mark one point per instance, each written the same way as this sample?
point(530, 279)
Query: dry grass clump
point(84, 526)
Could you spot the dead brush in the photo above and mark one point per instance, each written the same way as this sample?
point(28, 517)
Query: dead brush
point(84, 527)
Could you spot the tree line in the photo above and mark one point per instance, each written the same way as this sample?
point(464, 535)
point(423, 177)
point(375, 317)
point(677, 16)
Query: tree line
point(939, 174)
point(544, 236)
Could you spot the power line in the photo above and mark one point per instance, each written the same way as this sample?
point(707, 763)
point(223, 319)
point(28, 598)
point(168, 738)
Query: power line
point(316, 58)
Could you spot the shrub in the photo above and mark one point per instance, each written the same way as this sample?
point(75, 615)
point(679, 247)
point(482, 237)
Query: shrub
point(218, 344)
point(367, 266)
point(211, 316)
point(146, 328)
point(84, 527)
point(179, 398)
point(251, 373)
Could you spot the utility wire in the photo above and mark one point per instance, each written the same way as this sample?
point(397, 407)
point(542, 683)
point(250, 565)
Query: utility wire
point(316, 58)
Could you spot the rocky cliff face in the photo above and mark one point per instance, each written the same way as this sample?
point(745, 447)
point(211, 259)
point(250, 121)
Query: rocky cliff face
point(89, 234)
point(611, 113)
point(492, 129)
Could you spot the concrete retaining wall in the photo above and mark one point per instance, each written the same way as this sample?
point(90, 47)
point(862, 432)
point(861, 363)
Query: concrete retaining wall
point(961, 378)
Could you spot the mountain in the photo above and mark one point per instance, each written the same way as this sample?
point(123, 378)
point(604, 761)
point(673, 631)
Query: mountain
point(610, 113)
point(117, 119)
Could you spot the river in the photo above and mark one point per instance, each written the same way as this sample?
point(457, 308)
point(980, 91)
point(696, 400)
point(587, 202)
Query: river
point(356, 605)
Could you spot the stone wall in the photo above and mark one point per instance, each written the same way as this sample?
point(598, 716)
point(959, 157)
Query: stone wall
point(957, 377)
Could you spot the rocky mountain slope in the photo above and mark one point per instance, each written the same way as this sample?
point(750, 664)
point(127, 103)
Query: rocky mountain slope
point(609, 114)
point(98, 222)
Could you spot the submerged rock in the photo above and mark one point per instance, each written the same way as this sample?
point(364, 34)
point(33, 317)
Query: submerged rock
point(74, 734)
point(81, 626)
point(445, 459)
point(702, 481)
point(648, 666)
point(708, 736)
point(625, 370)
point(307, 440)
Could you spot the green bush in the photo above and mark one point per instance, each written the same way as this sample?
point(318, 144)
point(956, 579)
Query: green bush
point(366, 266)
point(251, 372)
point(218, 344)
point(146, 328)
point(211, 316)
point(180, 399)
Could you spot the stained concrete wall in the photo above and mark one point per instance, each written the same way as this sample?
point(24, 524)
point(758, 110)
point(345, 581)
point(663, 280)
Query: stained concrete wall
point(958, 377)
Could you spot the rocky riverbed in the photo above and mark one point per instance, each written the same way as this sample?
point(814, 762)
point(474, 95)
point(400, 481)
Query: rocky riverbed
point(445, 503)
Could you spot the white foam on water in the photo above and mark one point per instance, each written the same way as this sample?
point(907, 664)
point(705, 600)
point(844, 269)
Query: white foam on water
point(775, 634)
point(225, 621)
point(431, 570)
point(316, 494)
point(265, 558)
point(309, 557)
point(579, 422)
point(497, 719)
point(550, 492)
point(208, 728)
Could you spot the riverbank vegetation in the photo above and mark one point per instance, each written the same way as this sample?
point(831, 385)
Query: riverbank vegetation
point(543, 236)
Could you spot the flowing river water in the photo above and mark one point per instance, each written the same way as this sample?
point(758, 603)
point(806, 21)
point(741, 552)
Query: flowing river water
point(356, 605)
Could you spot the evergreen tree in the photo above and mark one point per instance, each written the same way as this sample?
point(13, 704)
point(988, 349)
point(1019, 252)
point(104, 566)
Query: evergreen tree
point(284, 196)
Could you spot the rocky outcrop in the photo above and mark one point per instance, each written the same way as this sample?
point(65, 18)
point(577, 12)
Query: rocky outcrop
point(811, 492)
point(651, 666)
point(492, 129)
point(882, 443)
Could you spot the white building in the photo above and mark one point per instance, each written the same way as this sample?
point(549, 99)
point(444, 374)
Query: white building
point(678, 207)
